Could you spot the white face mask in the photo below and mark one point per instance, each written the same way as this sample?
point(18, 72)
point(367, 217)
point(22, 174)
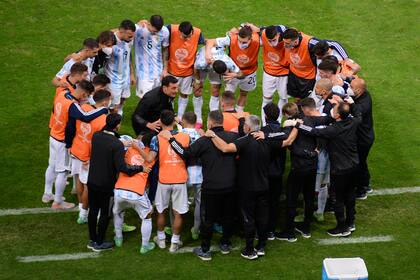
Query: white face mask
point(91, 101)
point(242, 45)
point(350, 92)
point(107, 51)
point(274, 43)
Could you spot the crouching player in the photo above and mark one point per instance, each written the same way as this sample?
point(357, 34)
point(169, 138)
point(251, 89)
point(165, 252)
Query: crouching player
point(130, 193)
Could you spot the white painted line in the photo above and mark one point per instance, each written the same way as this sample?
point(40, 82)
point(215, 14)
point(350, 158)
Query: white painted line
point(42, 210)
point(354, 240)
point(63, 257)
point(395, 191)
point(183, 250)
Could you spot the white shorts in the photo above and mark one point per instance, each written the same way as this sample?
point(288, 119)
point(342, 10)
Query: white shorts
point(248, 83)
point(272, 84)
point(141, 205)
point(185, 84)
point(118, 93)
point(214, 78)
point(174, 193)
point(143, 86)
point(78, 168)
point(59, 157)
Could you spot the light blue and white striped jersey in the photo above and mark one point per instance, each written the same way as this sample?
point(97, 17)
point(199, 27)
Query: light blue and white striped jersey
point(195, 172)
point(117, 66)
point(65, 70)
point(148, 50)
point(218, 53)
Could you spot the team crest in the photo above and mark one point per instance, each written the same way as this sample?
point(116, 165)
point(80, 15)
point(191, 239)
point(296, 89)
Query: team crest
point(181, 54)
point(86, 130)
point(294, 58)
point(137, 160)
point(242, 59)
point(273, 56)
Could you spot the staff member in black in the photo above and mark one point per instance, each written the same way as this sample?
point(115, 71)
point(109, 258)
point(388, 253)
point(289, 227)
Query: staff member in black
point(217, 189)
point(365, 135)
point(146, 116)
point(106, 161)
point(253, 166)
point(342, 150)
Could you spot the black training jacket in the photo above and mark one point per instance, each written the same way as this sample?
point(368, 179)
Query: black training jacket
point(365, 133)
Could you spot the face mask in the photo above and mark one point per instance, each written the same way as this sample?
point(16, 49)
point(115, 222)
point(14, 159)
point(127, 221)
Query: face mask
point(91, 101)
point(107, 50)
point(243, 45)
point(274, 43)
point(350, 92)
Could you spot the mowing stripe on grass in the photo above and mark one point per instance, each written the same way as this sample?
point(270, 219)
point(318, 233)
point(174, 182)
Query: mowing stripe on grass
point(183, 250)
point(42, 210)
point(63, 257)
point(354, 240)
point(395, 191)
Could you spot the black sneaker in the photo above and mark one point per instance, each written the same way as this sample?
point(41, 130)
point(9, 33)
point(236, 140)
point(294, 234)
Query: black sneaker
point(106, 245)
point(249, 254)
point(299, 227)
point(271, 236)
point(205, 256)
point(91, 244)
point(225, 248)
point(361, 195)
point(260, 252)
point(339, 232)
point(352, 227)
point(284, 236)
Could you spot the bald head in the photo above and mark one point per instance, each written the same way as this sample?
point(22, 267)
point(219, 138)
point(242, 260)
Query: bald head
point(358, 86)
point(323, 88)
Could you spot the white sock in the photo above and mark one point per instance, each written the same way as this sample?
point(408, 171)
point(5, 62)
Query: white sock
point(265, 101)
point(239, 108)
point(175, 238)
point(118, 224)
point(161, 235)
point(214, 103)
point(120, 111)
point(322, 199)
point(146, 231)
point(50, 176)
point(83, 213)
point(80, 207)
point(182, 105)
point(281, 103)
point(60, 185)
point(198, 106)
point(74, 182)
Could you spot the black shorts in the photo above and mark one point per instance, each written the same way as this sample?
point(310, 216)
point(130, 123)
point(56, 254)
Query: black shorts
point(299, 87)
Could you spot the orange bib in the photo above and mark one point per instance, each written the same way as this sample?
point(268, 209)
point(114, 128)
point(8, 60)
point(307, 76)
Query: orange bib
point(60, 115)
point(300, 60)
point(246, 59)
point(231, 121)
point(275, 60)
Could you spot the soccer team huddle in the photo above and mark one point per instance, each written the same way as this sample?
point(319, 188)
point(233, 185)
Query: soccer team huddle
point(230, 175)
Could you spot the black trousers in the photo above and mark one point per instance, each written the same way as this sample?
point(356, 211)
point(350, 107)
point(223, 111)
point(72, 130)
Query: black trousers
point(299, 87)
point(345, 198)
point(255, 209)
point(297, 183)
point(363, 174)
point(214, 208)
point(102, 201)
point(275, 186)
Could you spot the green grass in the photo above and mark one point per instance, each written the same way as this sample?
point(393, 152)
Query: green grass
point(382, 36)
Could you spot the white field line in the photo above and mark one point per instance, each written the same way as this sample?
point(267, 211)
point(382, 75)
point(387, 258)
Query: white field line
point(395, 191)
point(63, 257)
point(355, 240)
point(42, 210)
point(183, 250)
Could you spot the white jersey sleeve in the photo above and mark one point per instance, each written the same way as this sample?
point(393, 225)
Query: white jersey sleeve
point(65, 70)
point(200, 59)
point(223, 41)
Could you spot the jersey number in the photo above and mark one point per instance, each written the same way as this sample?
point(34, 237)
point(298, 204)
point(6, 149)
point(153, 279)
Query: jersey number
point(149, 44)
point(251, 80)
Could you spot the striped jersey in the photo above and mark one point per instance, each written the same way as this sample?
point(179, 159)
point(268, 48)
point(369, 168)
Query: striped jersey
point(148, 50)
point(218, 54)
point(117, 66)
point(65, 70)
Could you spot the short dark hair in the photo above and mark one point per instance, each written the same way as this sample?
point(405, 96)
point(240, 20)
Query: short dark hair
point(90, 43)
point(328, 65)
point(271, 111)
point(169, 80)
point(219, 67)
point(307, 102)
point(290, 109)
point(86, 86)
point(321, 48)
point(291, 33)
point(185, 27)
point(167, 117)
point(156, 21)
point(189, 117)
point(229, 97)
point(343, 110)
point(245, 32)
point(100, 80)
point(112, 121)
point(330, 57)
point(216, 116)
point(271, 31)
point(78, 68)
point(105, 37)
point(128, 25)
point(101, 95)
